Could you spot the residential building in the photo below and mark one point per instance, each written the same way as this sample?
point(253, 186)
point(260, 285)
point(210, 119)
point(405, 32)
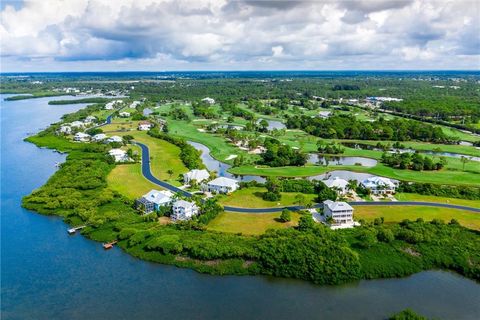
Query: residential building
point(153, 200)
point(146, 112)
point(183, 210)
point(99, 137)
point(81, 137)
point(144, 126)
point(325, 114)
point(221, 185)
point(124, 114)
point(114, 139)
point(379, 185)
point(197, 175)
point(89, 120)
point(339, 184)
point(65, 129)
point(340, 212)
point(77, 124)
point(209, 100)
point(119, 155)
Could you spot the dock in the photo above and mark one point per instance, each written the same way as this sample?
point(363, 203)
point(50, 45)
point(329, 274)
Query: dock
point(109, 245)
point(74, 230)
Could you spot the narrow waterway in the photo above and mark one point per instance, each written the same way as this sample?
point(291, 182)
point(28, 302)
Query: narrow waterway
point(47, 274)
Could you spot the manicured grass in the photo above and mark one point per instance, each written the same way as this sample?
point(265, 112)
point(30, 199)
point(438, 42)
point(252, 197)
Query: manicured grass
point(398, 213)
point(164, 156)
point(252, 198)
point(250, 224)
point(420, 197)
point(127, 179)
point(439, 177)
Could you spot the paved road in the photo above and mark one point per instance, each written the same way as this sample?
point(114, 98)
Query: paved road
point(148, 174)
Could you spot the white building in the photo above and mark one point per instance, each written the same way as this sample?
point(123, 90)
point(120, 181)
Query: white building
point(379, 185)
point(99, 137)
point(221, 185)
point(114, 139)
point(111, 105)
point(183, 210)
point(338, 184)
point(209, 100)
point(81, 137)
point(340, 212)
point(90, 119)
point(77, 124)
point(324, 114)
point(119, 155)
point(134, 104)
point(144, 126)
point(124, 114)
point(197, 175)
point(65, 129)
point(153, 200)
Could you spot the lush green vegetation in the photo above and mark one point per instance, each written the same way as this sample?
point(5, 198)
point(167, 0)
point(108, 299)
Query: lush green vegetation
point(471, 193)
point(414, 161)
point(407, 314)
point(83, 100)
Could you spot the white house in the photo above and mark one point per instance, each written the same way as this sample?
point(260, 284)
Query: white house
point(338, 184)
point(77, 124)
point(379, 185)
point(209, 100)
point(197, 175)
point(119, 155)
point(340, 212)
point(134, 104)
point(325, 114)
point(114, 139)
point(65, 129)
point(89, 120)
point(124, 114)
point(183, 210)
point(99, 137)
point(144, 126)
point(81, 137)
point(221, 185)
point(153, 200)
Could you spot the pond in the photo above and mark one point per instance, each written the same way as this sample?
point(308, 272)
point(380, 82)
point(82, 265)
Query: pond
point(274, 124)
point(47, 274)
point(346, 175)
point(314, 158)
point(221, 168)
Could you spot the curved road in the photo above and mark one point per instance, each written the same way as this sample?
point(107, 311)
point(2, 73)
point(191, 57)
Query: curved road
point(148, 175)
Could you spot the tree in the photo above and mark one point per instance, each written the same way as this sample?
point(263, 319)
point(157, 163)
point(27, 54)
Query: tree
point(300, 199)
point(306, 223)
point(170, 173)
point(464, 161)
point(263, 125)
point(285, 216)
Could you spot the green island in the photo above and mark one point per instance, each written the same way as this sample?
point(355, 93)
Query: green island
point(277, 134)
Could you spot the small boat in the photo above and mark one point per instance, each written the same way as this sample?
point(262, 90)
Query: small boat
point(109, 245)
point(73, 230)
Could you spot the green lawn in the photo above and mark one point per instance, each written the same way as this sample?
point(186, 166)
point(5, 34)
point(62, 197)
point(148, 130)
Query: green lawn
point(398, 213)
point(420, 197)
point(127, 179)
point(252, 198)
point(249, 224)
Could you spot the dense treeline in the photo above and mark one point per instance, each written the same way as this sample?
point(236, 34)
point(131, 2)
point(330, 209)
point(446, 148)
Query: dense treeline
point(348, 127)
point(414, 161)
point(188, 154)
point(76, 101)
point(279, 155)
point(463, 192)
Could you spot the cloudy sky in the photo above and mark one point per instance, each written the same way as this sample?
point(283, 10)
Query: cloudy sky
point(156, 35)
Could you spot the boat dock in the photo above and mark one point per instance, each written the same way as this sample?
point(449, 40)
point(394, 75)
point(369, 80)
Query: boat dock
point(109, 245)
point(74, 230)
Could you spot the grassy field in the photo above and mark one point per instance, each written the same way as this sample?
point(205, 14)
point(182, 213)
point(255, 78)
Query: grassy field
point(163, 155)
point(252, 198)
point(127, 179)
point(420, 197)
point(396, 214)
point(249, 224)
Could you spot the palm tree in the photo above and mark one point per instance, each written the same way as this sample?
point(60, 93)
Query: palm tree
point(464, 161)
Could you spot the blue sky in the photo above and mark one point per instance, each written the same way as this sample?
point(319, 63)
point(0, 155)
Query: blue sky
point(157, 35)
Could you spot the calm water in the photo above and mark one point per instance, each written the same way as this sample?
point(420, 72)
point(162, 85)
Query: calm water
point(314, 158)
point(47, 274)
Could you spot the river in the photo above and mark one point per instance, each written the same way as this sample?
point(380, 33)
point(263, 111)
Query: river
point(47, 274)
